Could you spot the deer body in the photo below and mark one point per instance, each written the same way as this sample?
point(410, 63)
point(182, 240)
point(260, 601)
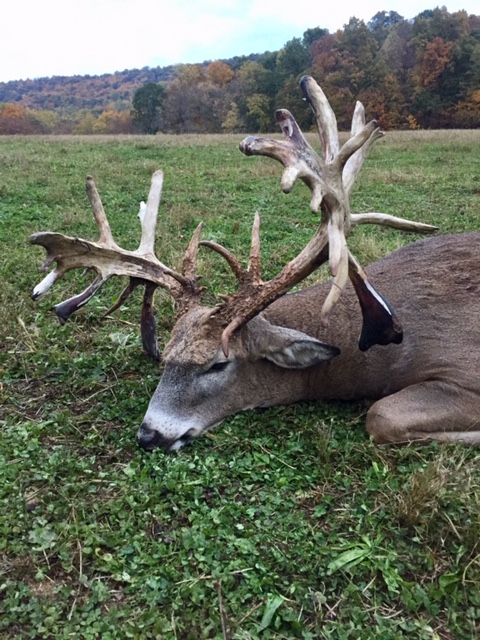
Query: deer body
point(261, 347)
point(428, 387)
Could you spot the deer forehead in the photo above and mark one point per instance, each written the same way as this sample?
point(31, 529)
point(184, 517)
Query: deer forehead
point(195, 338)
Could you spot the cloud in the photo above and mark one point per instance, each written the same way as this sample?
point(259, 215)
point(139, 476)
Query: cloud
point(55, 37)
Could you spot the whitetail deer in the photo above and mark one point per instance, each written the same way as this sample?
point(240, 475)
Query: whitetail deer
point(260, 347)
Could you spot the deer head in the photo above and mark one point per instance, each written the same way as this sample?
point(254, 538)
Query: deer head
point(212, 349)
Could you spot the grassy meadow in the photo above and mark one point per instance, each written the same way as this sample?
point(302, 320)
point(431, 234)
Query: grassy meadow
point(283, 524)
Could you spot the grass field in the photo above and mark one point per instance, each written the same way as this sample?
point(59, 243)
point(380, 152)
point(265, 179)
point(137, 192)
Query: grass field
point(283, 524)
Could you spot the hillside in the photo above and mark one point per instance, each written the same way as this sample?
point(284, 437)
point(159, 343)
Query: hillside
point(69, 94)
point(94, 93)
point(417, 73)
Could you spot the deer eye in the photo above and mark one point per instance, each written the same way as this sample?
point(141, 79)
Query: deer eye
point(218, 366)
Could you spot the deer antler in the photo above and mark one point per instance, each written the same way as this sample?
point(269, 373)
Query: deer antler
point(253, 293)
point(106, 258)
point(330, 180)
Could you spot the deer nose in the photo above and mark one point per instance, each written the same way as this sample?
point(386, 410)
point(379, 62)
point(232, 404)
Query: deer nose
point(147, 438)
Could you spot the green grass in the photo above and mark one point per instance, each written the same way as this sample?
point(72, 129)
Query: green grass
point(288, 523)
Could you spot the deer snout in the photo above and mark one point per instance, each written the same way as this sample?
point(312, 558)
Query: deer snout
point(149, 439)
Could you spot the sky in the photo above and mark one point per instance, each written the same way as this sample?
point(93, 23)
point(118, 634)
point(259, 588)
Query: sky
point(42, 38)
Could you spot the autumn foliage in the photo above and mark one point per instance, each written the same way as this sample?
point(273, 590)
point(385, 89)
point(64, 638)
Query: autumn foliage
point(420, 73)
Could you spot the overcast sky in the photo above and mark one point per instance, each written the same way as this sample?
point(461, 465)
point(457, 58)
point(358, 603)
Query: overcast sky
point(69, 37)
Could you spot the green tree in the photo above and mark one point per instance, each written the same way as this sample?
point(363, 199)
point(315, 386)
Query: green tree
point(459, 78)
point(258, 114)
point(354, 58)
point(311, 35)
point(466, 114)
point(254, 81)
point(357, 49)
point(233, 122)
point(113, 122)
point(43, 121)
point(148, 107)
point(268, 60)
point(382, 22)
point(293, 59)
point(397, 51)
point(85, 124)
point(255, 78)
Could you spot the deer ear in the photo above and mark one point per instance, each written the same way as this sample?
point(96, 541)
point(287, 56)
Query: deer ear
point(298, 351)
point(289, 348)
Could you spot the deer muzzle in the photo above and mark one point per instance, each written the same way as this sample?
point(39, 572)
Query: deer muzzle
point(149, 439)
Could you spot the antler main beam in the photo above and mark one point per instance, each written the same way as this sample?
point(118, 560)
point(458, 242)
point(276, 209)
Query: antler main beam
point(107, 259)
point(330, 179)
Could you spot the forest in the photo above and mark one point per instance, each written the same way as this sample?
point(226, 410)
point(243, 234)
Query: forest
point(422, 73)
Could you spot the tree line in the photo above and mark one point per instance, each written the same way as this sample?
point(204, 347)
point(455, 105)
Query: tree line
point(419, 73)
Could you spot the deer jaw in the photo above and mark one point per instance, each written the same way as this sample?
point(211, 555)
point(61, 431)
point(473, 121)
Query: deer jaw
point(197, 373)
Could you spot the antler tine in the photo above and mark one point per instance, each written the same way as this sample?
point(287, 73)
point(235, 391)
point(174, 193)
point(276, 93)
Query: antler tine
point(190, 292)
point(355, 162)
point(232, 261)
point(386, 220)
point(104, 230)
point(150, 214)
point(254, 265)
point(324, 115)
point(133, 283)
point(189, 269)
point(65, 309)
point(355, 143)
point(248, 303)
point(358, 118)
point(253, 272)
